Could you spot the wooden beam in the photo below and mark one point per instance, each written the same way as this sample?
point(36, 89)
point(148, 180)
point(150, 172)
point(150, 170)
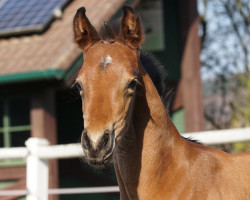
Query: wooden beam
point(12, 173)
point(191, 85)
point(43, 125)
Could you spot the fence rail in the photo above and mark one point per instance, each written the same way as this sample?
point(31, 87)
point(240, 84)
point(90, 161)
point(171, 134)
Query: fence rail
point(38, 151)
point(221, 136)
point(85, 190)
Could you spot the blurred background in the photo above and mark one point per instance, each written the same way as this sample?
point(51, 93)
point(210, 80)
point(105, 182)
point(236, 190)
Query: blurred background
point(204, 46)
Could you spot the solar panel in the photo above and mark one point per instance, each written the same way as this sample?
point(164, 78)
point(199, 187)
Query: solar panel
point(19, 16)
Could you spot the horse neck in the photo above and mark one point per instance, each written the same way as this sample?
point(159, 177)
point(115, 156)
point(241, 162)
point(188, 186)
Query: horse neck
point(155, 133)
point(150, 112)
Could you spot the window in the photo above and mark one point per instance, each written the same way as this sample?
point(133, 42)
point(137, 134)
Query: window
point(14, 121)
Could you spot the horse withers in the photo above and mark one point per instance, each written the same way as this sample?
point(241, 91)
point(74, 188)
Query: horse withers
point(124, 118)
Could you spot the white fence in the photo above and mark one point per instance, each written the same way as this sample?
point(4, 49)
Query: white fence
point(38, 151)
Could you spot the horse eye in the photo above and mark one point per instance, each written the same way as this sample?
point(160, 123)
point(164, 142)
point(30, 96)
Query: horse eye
point(78, 86)
point(132, 84)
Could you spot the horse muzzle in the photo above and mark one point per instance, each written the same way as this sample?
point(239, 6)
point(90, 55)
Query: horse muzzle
point(98, 148)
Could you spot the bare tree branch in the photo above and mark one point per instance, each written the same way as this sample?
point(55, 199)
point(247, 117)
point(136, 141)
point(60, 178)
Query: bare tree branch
point(240, 38)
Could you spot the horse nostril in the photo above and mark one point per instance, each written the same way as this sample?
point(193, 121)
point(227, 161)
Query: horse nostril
point(105, 139)
point(85, 140)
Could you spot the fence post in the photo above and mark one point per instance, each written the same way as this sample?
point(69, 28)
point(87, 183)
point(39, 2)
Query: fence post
point(37, 171)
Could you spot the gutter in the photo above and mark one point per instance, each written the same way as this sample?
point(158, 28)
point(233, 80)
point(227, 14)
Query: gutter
point(47, 74)
point(31, 76)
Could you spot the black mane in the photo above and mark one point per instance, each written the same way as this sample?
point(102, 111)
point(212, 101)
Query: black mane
point(154, 69)
point(192, 140)
point(110, 30)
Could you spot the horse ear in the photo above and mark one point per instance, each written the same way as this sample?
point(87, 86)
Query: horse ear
point(131, 31)
point(85, 34)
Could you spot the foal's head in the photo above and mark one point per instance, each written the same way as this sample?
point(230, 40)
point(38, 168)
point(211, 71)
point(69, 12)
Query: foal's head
point(107, 81)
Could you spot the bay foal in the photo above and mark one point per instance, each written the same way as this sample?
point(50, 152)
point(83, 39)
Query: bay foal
point(124, 118)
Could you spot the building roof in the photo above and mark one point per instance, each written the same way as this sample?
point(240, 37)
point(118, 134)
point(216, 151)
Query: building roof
point(51, 54)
